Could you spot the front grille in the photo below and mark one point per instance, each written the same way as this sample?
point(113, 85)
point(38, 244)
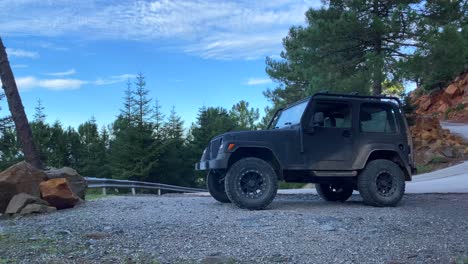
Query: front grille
point(214, 147)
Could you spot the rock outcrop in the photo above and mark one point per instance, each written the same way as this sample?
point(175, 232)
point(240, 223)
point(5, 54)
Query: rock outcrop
point(77, 183)
point(450, 103)
point(58, 193)
point(19, 178)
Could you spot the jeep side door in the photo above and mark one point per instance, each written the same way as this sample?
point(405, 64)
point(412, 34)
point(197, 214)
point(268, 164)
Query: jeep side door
point(329, 144)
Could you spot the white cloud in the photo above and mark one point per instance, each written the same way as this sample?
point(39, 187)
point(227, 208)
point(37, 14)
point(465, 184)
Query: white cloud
point(60, 84)
point(215, 29)
point(258, 81)
point(29, 82)
point(22, 53)
point(114, 79)
point(64, 73)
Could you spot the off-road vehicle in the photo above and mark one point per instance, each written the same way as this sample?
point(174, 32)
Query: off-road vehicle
point(340, 142)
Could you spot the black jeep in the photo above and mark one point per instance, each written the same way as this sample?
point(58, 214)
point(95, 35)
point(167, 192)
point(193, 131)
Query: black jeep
point(339, 142)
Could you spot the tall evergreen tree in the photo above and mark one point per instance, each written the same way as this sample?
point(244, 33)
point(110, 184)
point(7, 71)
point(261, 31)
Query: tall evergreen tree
point(41, 132)
point(141, 102)
point(132, 152)
point(173, 165)
point(92, 149)
point(244, 116)
point(39, 115)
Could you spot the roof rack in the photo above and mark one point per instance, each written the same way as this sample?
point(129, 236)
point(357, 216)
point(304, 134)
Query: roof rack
point(361, 96)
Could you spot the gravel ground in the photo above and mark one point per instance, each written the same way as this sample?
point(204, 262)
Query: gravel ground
point(426, 228)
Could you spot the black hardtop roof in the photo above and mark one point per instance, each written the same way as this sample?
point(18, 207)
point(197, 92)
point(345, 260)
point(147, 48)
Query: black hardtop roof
point(368, 98)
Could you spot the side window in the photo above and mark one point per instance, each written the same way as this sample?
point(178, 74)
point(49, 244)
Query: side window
point(377, 118)
point(336, 115)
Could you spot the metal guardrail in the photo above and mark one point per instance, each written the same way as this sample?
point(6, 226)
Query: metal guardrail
point(94, 183)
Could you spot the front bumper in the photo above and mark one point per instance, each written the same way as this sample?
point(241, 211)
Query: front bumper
point(221, 162)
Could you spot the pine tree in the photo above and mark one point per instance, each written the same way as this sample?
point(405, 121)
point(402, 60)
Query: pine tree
point(173, 167)
point(39, 115)
point(245, 118)
point(158, 122)
point(347, 46)
point(141, 102)
point(41, 132)
point(128, 108)
point(92, 151)
point(132, 154)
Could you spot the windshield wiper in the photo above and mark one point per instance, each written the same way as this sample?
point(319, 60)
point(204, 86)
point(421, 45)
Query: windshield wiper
point(287, 123)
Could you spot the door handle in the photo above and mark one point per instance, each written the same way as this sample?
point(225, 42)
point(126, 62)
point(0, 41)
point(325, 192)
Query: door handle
point(346, 133)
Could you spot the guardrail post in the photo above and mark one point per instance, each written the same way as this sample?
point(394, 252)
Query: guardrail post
point(104, 191)
point(133, 191)
point(159, 191)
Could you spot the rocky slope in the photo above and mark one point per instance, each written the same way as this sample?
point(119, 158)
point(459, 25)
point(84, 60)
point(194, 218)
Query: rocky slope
point(435, 146)
point(450, 103)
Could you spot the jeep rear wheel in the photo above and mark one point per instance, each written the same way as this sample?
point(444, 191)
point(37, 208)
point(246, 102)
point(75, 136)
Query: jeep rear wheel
point(381, 183)
point(215, 185)
point(251, 183)
point(333, 192)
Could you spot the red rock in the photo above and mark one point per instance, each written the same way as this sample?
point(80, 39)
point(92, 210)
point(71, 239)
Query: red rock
point(77, 183)
point(442, 108)
point(19, 178)
point(452, 91)
point(425, 102)
point(57, 192)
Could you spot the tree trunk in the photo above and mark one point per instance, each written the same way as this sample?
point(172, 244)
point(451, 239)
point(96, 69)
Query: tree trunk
point(378, 64)
point(23, 130)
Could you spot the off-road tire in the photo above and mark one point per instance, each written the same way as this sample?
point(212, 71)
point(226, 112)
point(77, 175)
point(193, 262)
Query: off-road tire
point(215, 185)
point(380, 194)
point(251, 168)
point(333, 192)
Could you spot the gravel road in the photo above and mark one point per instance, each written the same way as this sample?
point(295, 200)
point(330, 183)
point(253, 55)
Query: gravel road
point(426, 228)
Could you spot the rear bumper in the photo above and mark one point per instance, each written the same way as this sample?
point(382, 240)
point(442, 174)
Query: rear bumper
point(220, 163)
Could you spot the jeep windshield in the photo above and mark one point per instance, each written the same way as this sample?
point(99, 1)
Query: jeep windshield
point(290, 116)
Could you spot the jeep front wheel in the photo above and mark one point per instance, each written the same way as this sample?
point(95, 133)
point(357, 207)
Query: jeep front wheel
point(381, 183)
point(251, 183)
point(215, 185)
point(333, 192)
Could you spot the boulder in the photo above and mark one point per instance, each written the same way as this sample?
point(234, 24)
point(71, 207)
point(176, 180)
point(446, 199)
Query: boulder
point(57, 192)
point(21, 200)
point(425, 102)
point(443, 108)
point(37, 208)
point(77, 183)
point(19, 178)
point(452, 91)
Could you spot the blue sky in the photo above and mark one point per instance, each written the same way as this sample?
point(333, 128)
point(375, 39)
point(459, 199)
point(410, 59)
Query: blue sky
point(76, 56)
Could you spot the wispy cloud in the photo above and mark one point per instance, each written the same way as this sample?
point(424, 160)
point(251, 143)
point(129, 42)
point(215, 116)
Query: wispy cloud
point(114, 79)
point(64, 73)
point(257, 81)
point(29, 82)
point(61, 84)
point(214, 29)
point(22, 53)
